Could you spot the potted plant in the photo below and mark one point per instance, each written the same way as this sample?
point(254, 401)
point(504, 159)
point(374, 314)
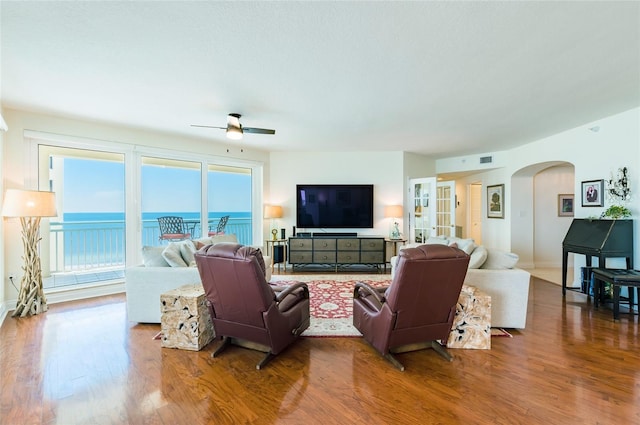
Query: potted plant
point(616, 212)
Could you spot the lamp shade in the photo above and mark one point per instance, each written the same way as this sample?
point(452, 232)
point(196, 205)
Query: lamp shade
point(29, 203)
point(272, 211)
point(393, 211)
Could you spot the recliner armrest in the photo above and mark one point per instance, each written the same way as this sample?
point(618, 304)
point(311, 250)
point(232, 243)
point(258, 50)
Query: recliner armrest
point(376, 293)
point(291, 295)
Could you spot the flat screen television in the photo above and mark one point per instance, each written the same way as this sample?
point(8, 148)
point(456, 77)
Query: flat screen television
point(337, 206)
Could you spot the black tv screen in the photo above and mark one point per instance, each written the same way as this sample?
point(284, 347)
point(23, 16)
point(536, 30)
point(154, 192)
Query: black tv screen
point(334, 206)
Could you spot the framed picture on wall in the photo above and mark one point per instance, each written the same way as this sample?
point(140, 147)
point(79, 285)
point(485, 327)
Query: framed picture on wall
point(495, 201)
point(565, 205)
point(592, 193)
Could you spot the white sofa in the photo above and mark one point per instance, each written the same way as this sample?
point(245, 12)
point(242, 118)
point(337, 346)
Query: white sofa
point(145, 283)
point(494, 273)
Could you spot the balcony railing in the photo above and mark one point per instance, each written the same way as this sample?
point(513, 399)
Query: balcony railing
point(100, 245)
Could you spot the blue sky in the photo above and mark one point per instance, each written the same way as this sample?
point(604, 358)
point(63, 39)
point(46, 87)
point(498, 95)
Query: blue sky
point(98, 186)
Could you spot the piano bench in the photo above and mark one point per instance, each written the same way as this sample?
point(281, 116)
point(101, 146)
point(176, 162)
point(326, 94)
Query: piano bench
point(616, 278)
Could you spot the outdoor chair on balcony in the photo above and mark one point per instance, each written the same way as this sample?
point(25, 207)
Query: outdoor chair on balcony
point(172, 228)
point(220, 228)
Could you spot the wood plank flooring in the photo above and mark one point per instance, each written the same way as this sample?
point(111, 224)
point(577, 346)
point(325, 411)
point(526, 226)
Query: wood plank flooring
point(82, 362)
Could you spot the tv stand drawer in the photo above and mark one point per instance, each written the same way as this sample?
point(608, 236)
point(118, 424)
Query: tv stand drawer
point(324, 244)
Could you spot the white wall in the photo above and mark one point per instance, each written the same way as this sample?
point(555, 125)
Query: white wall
point(3, 308)
point(382, 169)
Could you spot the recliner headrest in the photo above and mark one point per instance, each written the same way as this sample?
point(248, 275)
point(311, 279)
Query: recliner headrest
point(233, 251)
point(432, 252)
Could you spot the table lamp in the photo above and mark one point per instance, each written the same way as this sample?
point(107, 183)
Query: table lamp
point(30, 206)
point(272, 212)
point(393, 212)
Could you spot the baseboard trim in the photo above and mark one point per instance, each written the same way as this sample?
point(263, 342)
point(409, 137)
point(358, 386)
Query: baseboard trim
point(71, 293)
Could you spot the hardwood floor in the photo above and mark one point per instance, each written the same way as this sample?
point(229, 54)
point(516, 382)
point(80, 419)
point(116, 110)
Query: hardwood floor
point(83, 363)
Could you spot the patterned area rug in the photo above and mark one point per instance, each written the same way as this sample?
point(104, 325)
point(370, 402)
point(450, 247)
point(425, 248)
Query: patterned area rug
point(331, 299)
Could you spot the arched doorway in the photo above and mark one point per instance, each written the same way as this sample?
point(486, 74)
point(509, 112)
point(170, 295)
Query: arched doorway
point(537, 228)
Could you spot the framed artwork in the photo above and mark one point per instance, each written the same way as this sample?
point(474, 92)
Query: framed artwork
point(592, 191)
point(565, 205)
point(495, 201)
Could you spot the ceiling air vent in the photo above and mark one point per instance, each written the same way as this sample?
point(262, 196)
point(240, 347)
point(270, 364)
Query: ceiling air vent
point(486, 159)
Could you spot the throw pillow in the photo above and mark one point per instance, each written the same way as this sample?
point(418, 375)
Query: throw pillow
point(224, 238)
point(152, 256)
point(478, 257)
point(500, 260)
point(187, 251)
point(173, 256)
point(467, 245)
point(212, 240)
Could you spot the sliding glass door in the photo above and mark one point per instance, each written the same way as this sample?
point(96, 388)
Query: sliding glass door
point(88, 234)
point(109, 202)
point(170, 188)
point(229, 195)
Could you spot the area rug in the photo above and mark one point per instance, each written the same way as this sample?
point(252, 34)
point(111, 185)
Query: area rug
point(331, 305)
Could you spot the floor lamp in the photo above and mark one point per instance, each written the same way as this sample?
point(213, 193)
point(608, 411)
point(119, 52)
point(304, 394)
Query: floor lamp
point(30, 206)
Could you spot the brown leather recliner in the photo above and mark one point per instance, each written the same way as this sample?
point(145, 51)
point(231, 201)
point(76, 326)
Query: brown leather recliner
point(417, 309)
point(244, 308)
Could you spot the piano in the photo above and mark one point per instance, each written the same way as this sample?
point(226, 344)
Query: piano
point(597, 238)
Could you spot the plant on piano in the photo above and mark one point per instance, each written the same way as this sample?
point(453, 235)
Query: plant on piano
point(616, 211)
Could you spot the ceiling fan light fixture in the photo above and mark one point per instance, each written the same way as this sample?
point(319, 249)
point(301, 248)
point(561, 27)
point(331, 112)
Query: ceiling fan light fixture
point(234, 133)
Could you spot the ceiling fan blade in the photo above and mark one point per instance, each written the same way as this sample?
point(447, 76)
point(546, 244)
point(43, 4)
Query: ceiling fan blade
point(208, 126)
point(258, 130)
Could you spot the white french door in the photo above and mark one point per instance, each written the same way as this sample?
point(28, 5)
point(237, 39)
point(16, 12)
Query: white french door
point(446, 209)
point(422, 209)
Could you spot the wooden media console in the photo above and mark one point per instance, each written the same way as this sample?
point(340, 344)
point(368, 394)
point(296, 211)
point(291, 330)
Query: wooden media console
point(337, 250)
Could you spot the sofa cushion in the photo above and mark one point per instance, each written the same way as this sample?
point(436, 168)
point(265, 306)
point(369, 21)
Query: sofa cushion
point(478, 257)
point(173, 255)
point(497, 260)
point(152, 256)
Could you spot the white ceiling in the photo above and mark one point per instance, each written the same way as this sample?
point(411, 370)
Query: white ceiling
point(439, 78)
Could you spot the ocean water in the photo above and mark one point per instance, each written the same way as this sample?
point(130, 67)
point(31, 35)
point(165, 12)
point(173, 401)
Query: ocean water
point(148, 216)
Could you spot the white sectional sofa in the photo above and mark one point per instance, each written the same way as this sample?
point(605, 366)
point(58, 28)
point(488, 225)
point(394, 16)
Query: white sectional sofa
point(494, 273)
point(166, 267)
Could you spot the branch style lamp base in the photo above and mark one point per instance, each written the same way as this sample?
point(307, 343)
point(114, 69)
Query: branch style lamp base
point(30, 206)
point(31, 297)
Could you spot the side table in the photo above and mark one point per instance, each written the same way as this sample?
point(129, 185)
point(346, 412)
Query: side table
point(278, 246)
point(472, 325)
point(395, 243)
point(185, 322)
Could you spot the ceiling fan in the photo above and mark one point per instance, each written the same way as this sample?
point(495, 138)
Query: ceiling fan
point(235, 129)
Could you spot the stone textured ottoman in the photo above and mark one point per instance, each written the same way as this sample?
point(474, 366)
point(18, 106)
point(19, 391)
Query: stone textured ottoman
point(472, 324)
point(185, 321)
